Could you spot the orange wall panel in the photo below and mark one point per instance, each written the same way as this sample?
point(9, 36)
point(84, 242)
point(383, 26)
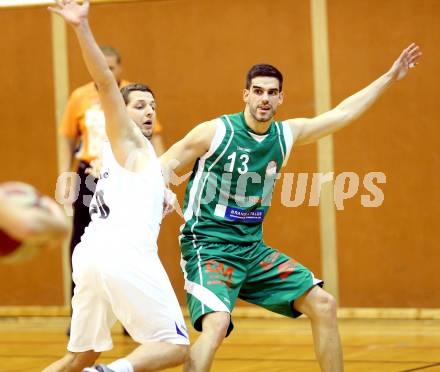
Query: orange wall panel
point(28, 142)
point(388, 256)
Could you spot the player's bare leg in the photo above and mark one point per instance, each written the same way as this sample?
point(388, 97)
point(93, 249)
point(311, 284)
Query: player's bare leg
point(214, 325)
point(320, 307)
point(153, 356)
point(73, 362)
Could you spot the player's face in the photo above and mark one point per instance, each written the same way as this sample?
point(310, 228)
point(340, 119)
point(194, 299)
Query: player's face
point(142, 110)
point(114, 66)
point(263, 98)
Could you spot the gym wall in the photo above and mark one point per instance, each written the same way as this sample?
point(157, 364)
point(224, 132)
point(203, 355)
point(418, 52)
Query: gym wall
point(195, 55)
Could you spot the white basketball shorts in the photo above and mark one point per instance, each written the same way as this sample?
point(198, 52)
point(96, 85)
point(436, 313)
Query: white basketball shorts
point(118, 282)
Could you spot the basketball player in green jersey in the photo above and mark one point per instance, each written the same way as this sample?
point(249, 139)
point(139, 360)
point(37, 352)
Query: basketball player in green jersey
point(237, 159)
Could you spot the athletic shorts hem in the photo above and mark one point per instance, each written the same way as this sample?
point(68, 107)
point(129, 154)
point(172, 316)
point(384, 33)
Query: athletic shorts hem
point(176, 341)
point(82, 349)
point(197, 324)
point(296, 313)
point(173, 340)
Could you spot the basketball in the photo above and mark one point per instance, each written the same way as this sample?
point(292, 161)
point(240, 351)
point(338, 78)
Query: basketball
point(21, 195)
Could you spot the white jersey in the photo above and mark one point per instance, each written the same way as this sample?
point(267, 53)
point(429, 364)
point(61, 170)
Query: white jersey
point(127, 206)
point(116, 268)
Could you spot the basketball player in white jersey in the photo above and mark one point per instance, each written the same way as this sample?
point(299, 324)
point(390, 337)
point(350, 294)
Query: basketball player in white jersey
point(116, 269)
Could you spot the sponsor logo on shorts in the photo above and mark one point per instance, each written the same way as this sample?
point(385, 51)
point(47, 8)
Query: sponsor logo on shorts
point(219, 273)
point(287, 268)
point(181, 330)
point(267, 263)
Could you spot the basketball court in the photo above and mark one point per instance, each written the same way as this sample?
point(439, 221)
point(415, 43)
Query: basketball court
point(272, 344)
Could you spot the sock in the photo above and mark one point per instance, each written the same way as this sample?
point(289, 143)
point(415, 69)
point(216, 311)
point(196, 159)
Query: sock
point(121, 365)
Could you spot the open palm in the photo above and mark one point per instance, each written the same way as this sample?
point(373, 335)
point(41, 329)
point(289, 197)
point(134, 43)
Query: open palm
point(407, 60)
point(72, 12)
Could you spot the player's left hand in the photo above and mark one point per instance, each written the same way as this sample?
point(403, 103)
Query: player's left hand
point(406, 61)
point(169, 202)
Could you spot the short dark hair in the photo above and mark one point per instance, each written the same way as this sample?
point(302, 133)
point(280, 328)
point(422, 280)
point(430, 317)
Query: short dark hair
point(109, 51)
point(125, 91)
point(263, 69)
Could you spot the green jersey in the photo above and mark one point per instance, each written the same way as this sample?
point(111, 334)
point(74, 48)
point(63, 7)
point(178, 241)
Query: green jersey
point(230, 189)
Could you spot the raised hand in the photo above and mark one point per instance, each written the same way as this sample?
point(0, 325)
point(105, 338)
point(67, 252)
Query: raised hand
point(406, 61)
point(72, 12)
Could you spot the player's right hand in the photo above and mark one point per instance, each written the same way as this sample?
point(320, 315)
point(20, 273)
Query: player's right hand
point(72, 12)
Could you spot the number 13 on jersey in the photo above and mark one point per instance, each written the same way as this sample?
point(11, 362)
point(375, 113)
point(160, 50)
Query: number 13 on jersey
point(243, 160)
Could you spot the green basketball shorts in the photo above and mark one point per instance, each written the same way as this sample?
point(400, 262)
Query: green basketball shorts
point(217, 274)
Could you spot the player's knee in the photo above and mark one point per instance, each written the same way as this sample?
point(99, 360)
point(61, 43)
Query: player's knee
point(216, 324)
point(324, 306)
point(181, 354)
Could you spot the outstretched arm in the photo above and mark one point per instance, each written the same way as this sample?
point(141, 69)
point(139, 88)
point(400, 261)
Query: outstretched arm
point(310, 130)
point(120, 129)
point(45, 223)
point(196, 143)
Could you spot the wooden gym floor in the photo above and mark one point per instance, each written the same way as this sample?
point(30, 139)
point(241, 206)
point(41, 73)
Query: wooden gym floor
point(269, 345)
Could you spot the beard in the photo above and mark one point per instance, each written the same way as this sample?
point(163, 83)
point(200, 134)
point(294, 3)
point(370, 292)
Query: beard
point(267, 116)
